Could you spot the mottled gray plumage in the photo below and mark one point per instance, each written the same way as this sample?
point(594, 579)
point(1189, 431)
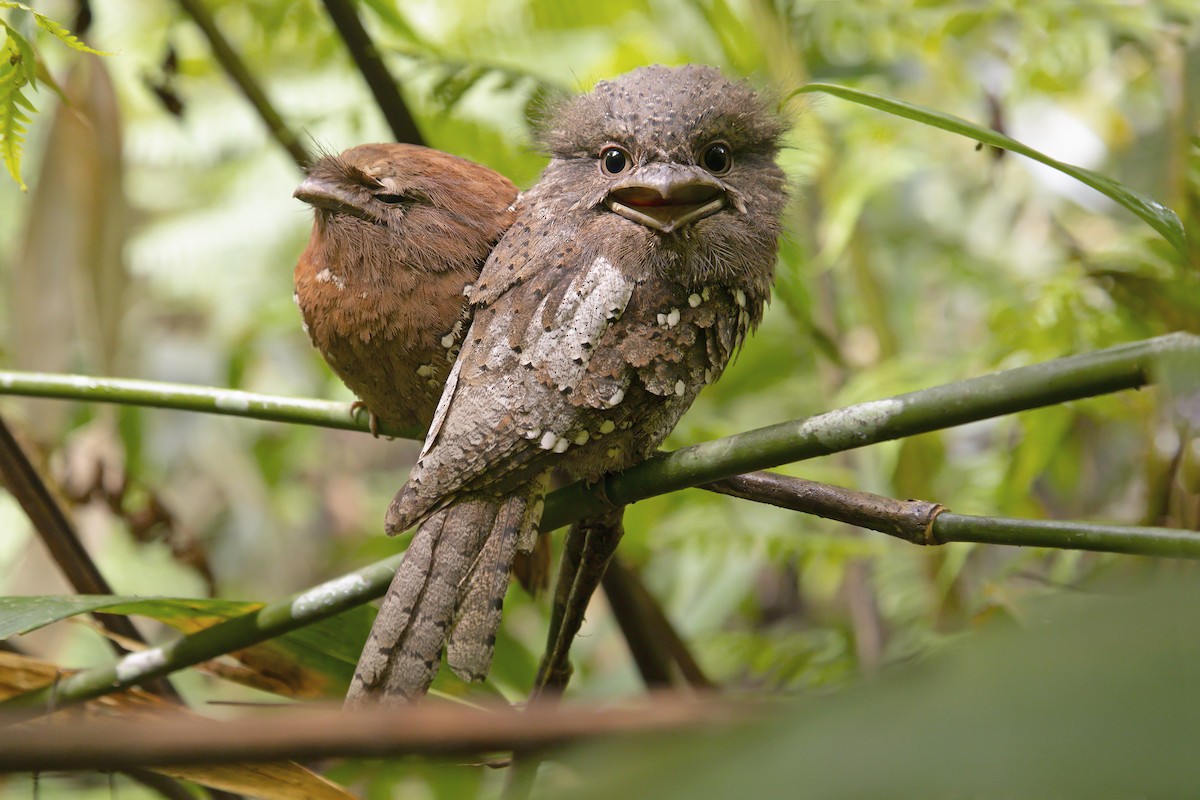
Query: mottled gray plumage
point(616, 295)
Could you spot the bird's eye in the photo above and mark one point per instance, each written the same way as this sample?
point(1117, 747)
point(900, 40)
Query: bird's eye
point(717, 158)
point(390, 199)
point(614, 160)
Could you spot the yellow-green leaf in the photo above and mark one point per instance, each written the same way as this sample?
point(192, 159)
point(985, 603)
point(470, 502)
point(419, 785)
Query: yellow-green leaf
point(1156, 215)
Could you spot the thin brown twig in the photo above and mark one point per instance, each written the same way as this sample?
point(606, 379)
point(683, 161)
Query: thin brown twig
point(236, 69)
point(380, 80)
point(56, 531)
point(911, 520)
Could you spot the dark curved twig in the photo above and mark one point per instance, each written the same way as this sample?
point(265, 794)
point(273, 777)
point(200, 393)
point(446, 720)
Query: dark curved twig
point(647, 650)
point(366, 56)
point(233, 65)
point(27, 486)
point(669, 645)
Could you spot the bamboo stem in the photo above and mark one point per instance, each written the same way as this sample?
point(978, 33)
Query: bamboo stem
point(1127, 366)
point(186, 397)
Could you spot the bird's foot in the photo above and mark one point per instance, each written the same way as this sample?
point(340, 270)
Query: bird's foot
point(372, 420)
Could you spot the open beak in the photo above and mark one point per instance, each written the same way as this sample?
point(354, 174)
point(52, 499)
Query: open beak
point(666, 197)
point(326, 195)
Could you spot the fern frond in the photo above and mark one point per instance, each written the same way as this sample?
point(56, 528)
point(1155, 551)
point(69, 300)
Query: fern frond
point(17, 50)
point(64, 35)
point(20, 67)
point(14, 75)
point(51, 27)
point(454, 77)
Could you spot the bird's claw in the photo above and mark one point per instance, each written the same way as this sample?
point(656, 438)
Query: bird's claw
point(372, 420)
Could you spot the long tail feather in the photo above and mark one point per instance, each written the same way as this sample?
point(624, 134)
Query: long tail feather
point(473, 639)
point(449, 590)
point(404, 649)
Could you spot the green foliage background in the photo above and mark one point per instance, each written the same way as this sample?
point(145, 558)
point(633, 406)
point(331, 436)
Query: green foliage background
point(912, 258)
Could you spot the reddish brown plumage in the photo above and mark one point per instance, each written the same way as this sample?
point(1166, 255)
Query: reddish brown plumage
point(399, 231)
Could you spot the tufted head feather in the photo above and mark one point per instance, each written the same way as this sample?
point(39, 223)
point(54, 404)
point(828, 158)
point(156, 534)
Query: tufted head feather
point(663, 112)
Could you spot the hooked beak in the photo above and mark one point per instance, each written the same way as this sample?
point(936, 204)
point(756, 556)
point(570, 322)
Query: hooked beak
point(322, 194)
point(666, 197)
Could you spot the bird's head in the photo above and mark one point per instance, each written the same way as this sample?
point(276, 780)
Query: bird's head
point(669, 147)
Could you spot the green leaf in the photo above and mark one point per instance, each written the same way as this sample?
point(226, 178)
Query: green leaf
point(19, 52)
point(1091, 698)
point(316, 660)
point(25, 614)
point(449, 91)
point(1156, 215)
point(455, 77)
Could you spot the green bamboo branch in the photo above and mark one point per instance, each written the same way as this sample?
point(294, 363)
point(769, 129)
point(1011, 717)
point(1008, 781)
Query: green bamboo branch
point(364, 585)
point(292, 612)
point(1162, 542)
point(1128, 366)
point(1023, 388)
point(185, 397)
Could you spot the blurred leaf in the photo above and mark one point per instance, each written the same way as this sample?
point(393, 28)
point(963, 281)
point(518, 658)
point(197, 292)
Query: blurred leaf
point(1042, 435)
point(52, 27)
point(281, 780)
point(20, 674)
point(392, 17)
point(1097, 688)
point(19, 65)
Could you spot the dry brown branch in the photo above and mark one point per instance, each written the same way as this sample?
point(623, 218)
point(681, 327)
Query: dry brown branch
point(309, 733)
